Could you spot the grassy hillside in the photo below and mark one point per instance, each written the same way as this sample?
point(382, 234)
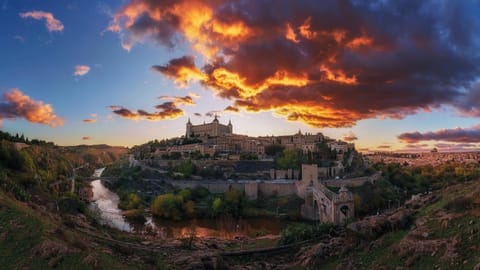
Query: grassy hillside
point(445, 234)
point(34, 239)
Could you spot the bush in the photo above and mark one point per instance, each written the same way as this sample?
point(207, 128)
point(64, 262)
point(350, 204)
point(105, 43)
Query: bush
point(71, 205)
point(199, 193)
point(217, 206)
point(135, 215)
point(172, 206)
point(168, 206)
point(130, 202)
point(234, 202)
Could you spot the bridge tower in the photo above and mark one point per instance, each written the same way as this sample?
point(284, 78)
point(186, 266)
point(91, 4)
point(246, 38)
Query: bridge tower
point(320, 202)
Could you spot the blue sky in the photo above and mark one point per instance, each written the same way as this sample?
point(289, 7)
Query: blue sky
point(40, 63)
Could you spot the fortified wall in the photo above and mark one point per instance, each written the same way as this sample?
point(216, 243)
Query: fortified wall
point(320, 202)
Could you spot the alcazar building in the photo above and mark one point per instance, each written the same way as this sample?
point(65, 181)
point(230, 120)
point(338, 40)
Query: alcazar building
point(212, 129)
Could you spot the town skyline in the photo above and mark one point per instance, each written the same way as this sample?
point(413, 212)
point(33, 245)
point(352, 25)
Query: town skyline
point(136, 71)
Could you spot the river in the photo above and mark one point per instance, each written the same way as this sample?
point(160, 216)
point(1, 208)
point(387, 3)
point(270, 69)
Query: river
point(106, 203)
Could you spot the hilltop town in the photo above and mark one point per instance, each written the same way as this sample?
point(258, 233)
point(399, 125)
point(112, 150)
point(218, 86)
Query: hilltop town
point(215, 146)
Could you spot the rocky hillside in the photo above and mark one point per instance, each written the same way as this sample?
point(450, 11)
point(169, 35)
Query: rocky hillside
point(440, 230)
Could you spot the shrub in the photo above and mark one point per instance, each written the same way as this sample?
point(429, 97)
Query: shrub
point(168, 206)
point(71, 205)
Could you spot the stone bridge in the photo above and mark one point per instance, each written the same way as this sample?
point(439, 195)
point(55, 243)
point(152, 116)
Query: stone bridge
point(320, 202)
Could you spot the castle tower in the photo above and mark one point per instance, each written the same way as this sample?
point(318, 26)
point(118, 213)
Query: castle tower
point(230, 126)
point(215, 123)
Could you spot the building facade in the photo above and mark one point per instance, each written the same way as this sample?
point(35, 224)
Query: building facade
point(213, 129)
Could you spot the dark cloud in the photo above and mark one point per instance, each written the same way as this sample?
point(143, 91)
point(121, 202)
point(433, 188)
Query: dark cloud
point(166, 110)
point(15, 104)
point(89, 120)
point(456, 145)
point(213, 114)
point(350, 137)
point(329, 63)
point(198, 114)
point(416, 148)
point(418, 145)
point(384, 147)
point(181, 70)
point(86, 138)
point(231, 109)
point(186, 100)
point(459, 135)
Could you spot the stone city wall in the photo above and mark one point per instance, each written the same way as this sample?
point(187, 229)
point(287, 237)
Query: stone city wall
point(252, 189)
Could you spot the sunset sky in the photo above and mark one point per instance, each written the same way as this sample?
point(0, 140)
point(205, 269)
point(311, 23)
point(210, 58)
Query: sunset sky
point(387, 75)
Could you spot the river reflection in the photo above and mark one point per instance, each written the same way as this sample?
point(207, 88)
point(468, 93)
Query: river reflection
point(222, 227)
point(106, 203)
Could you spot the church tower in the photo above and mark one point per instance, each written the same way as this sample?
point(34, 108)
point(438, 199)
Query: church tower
point(230, 126)
point(189, 129)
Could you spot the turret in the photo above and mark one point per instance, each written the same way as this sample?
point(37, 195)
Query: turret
point(230, 126)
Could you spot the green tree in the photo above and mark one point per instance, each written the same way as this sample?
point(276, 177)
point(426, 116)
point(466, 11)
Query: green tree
point(234, 202)
point(168, 206)
point(187, 168)
point(189, 208)
point(186, 194)
point(289, 160)
point(217, 205)
point(274, 150)
point(133, 201)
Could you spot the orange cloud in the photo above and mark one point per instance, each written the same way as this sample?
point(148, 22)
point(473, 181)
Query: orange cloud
point(85, 138)
point(338, 76)
point(81, 70)
point(290, 34)
point(305, 29)
point(51, 23)
point(359, 42)
point(18, 105)
point(181, 70)
point(323, 65)
point(186, 100)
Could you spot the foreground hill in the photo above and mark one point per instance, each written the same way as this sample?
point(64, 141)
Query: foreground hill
point(440, 230)
point(41, 228)
point(33, 238)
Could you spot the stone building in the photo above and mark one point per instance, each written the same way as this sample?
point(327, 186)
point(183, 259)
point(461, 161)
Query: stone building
point(212, 129)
